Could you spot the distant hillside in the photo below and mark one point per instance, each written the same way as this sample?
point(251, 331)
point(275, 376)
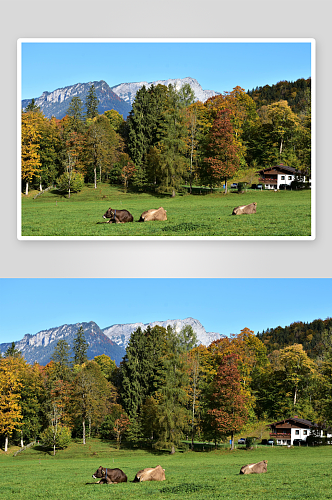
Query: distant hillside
point(127, 91)
point(111, 341)
point(311, 335)
point(56, 103)
point(40, 347)
point(295, 93)
point(120, 334)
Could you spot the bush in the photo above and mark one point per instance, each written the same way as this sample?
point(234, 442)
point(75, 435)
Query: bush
point(75, 181)
point(250, 442)
point(61, 439)
point(241, 187)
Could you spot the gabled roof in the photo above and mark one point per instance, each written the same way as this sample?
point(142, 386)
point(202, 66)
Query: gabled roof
point(283, 167)
point(295, 420)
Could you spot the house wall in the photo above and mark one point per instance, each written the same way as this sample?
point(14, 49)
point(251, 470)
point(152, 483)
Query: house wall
point(298, 433)
point(287, 180)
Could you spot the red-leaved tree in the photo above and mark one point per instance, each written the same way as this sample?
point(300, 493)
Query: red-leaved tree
point(222, 159)
point(228, 411)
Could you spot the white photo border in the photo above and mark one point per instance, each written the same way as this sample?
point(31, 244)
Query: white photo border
point(312, 41)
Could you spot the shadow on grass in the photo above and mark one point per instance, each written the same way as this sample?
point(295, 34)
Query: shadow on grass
point(148, 447)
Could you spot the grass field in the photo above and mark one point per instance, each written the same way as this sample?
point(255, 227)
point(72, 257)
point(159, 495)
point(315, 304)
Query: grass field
point(293, 473)
point(284, 213)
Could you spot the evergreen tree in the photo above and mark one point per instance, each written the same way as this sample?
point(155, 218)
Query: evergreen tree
point(32, 106)
point(80, 347)
point(75, 113)
point(172, 140)
point(60, 356)
point(91, 103)
point(139, 369)
point(172, 414)
point(12, 351)
point(142, 128)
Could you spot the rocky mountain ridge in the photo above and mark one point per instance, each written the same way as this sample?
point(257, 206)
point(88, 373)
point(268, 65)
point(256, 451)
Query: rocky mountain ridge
point(119, 97)
point(111, 340)
point(56, 103)
point(120, 334)
point(127, 91)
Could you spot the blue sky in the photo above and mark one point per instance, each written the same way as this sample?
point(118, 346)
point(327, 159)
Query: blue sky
point(216, 66)
point(223, 305)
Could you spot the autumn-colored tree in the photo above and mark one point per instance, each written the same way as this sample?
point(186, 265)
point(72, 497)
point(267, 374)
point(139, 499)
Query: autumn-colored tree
point(10, 395)
point(34, 396)
point(128, 169)
point(194, 123)
point(229, 403)
point(121, 424)
point(222, 159)
point(30, 145)
point(115, 424)
point(107, 366)
point(92, 395)
point(116, 120)
point(297, 367)
point(102, 147)
point(284, 123)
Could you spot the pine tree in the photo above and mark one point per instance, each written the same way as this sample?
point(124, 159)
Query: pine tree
point(80, 347)
point(32, 106)
point(75, 112)
point(172, 414)
point(172, 139)
point(12, 351)
point(60, 356)
point(91, 103)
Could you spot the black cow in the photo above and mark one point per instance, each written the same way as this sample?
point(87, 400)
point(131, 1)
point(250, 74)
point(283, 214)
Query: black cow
point(110, 476)
point(118, 216)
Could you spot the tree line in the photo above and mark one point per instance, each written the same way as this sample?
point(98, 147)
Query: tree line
point(167, 389)
point(168, 141)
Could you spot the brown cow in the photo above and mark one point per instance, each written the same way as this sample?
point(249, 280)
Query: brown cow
point(110, 476)
point(118, 216)
point(254, 468)
point(245, 209)
point(154, 214)
point(150, 474)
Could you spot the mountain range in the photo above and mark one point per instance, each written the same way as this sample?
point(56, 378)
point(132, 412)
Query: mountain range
point(111, 340)
point(119, 97)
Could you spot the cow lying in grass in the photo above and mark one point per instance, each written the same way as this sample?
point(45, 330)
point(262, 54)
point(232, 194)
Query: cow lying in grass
point(245, 209)
point(257, 468)
point(118, 216)
point(153, 214)
point(150, 474)
point(109, 476)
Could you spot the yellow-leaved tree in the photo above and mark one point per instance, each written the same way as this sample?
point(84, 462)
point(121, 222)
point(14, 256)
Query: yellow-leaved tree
point(30, 137)
point(10, 385)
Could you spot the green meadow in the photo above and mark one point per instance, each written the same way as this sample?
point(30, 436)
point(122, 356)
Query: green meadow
point(282, 213)
point(292, 473)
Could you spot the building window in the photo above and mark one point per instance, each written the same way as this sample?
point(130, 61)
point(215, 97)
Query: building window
point(289, 177)
point(282, 177)
point(305, 433)
point(297, 433)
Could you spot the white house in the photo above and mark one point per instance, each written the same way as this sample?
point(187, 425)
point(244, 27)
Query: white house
point(281, 174)
point(292, 428)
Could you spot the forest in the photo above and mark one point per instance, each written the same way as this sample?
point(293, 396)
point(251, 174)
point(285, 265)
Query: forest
point(166, 389)
point(169, 143)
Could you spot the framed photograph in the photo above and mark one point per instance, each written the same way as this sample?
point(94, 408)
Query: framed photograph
point(173, 139)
